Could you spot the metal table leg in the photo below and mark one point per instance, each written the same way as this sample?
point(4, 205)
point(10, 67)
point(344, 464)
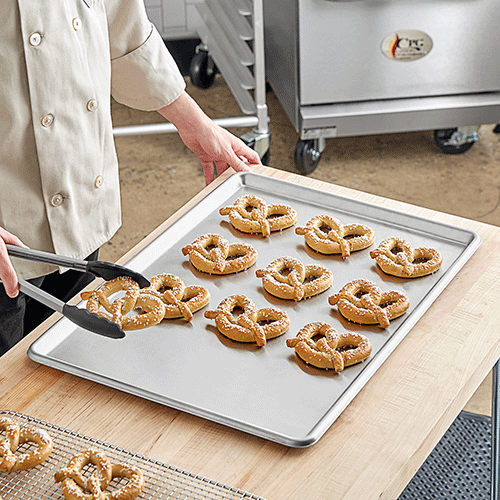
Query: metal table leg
point(495, 434)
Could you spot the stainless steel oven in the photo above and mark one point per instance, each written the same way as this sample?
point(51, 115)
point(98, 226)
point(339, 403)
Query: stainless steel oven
point(343, 68)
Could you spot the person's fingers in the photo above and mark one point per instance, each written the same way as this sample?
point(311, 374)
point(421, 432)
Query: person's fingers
point(209, 171)
point(7, 273)
point(242, 150)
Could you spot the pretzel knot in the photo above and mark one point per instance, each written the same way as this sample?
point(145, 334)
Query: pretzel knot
point(288, 278)
point(78, 487)
point(397, 257)
point(252, 325)
point(212, 253)
point(15, 436)
point(328, 235)
point(332, 350)
point(180, 301)
point(362, 301)
point(151, 307)
point(251, 214)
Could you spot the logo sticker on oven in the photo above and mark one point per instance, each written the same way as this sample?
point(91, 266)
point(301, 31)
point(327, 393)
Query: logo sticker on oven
point(406, 45)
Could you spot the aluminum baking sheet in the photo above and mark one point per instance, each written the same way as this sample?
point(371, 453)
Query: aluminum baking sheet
point(264, 391)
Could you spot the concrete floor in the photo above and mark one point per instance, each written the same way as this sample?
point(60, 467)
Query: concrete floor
point(159, 174)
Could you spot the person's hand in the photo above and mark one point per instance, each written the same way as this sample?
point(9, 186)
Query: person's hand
point(7, 273)
point(218, 149)
point(215, 147)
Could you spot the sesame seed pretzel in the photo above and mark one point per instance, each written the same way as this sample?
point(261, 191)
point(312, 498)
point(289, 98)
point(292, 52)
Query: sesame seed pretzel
point(77, 487)
point(300, 282)
point(9, 444)
point(212, 253)
point(180, 301)
point(320, 354)
point(328, 235)
point(153, 309)
point(15, 436)
point(246, 327)
point(251, 214)
point(362, 301)
point(397, 257)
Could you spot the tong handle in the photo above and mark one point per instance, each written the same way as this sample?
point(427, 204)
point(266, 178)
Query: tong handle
point(48, 258)
point(98, 268)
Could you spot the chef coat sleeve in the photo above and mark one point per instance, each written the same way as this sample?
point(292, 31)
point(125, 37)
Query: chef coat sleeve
point(144, 75)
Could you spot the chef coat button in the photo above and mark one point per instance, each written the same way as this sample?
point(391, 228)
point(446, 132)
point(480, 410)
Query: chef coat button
point(92, 105)
point(48, 120)
point(98, 181)
point(56, 200)
point(35, 39)
point(77, 23)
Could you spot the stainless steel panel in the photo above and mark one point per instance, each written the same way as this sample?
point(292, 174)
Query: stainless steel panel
point(340, 57)
point(393, 115)
point(265, 391)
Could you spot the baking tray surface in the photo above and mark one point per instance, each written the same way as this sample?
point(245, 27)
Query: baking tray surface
point(161, 481)
point(265, 391)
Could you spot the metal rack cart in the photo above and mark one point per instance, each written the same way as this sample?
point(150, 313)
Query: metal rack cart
point(357, 67)
point(232, 35)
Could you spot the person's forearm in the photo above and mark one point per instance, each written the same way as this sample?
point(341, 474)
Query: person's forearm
point(184, 113)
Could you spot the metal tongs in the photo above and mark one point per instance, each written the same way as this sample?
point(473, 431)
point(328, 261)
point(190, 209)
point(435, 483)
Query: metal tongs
point(80, 317)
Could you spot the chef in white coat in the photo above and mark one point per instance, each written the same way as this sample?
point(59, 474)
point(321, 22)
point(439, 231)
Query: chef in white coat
point(59, 187)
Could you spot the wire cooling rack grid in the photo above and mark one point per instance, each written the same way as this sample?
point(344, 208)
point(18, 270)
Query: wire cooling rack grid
point(162, 481)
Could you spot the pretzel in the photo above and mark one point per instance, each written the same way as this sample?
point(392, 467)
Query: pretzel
point(77, 487)
point(397, 257)
point(353, 347)
point(307, 349)
point(15, 436)
point(328, 235)
point(212, 253)
point(362, 301)
point(253, 325)
point(300, 282)
point(152, 307)
point(8, 444)
point(180, 301)
point(251, 214)
point(73, 481)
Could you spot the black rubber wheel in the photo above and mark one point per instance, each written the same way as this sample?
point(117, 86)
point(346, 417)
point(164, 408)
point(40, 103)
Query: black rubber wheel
point(265, 158)
point(307, 156)
point(442, 136)
point(202, 70)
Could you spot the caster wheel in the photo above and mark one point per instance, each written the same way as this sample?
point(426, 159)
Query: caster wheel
point(307, 156)
point(442, 138)
point(202, 69)
point(265, 159)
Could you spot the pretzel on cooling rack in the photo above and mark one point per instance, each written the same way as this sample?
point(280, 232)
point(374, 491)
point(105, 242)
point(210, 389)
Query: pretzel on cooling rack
point(300, 282)
point(251, 214)
point(180, 300)
point(362, 301)
point(77, 487)
point(327, 235)
point(153, 309)
point(14, 436)
point(212, 254)
point(397, 257)
point(332, 350)
point(252, 325)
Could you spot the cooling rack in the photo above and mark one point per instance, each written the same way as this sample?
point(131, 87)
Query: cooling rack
point(162, 481)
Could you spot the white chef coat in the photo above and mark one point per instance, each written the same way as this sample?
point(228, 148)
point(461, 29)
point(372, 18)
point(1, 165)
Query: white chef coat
point(60, 60)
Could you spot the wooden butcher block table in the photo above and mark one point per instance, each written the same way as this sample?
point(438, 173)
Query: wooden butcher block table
point(373, 448)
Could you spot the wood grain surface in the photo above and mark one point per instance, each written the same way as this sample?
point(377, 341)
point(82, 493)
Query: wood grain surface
point(371, 451)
